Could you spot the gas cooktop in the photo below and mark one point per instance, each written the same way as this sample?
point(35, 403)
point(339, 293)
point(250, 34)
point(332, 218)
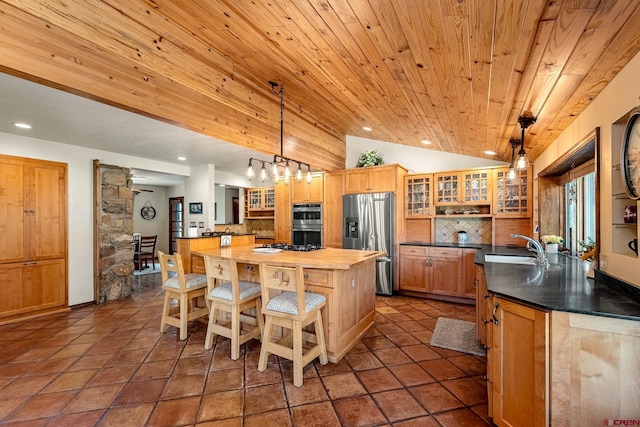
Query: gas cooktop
point(298, 248)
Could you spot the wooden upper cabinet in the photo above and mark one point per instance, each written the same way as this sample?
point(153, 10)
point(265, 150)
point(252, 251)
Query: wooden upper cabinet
point(14, 210)
point(476, 186)
point(33, 216)
point(282, 224)
point(448, 188)
point(48, 213)
point(33, 236)
point(418, 196)
point(374, 179)
point(332, 209)
point(471, 187)
point(303, 192)
point(512, 198)
point(260, 198)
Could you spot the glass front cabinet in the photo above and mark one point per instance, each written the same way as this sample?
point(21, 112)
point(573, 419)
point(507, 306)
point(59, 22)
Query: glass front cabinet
point(513, 197)
point(418, 195)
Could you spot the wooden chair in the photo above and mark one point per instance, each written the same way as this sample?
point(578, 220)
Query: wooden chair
point(185, 288)
point(227, 294)
point(145, 249)
point(292, 309)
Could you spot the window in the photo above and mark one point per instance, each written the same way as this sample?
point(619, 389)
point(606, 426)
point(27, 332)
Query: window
point(580, 211)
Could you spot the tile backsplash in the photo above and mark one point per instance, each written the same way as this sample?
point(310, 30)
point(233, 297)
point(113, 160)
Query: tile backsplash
point(478, 230)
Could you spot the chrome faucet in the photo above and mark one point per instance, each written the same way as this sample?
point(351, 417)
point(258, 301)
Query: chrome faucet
point(541, 257)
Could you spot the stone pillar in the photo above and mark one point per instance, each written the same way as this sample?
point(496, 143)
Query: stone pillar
point(116, 234)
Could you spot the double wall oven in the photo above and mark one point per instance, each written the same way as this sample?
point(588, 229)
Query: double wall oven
point(306, 224)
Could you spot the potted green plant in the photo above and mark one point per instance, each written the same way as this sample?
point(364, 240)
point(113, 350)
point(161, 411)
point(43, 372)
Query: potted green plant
point(551, 243)
point(369, 158)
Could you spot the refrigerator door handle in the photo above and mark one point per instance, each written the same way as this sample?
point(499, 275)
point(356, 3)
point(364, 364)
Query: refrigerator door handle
point(384, 259)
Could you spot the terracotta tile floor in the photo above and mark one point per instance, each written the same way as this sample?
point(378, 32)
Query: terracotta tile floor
point(110, 366)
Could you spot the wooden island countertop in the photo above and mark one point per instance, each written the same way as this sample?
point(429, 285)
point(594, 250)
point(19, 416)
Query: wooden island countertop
point(346, 277)
point(328, 258)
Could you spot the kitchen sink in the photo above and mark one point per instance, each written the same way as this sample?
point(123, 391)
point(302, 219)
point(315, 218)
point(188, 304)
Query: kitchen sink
point(510, 259)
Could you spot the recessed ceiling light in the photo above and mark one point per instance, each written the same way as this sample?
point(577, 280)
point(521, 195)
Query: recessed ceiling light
point(426, 142)
point(367, 128)
point(490, 153)
point(182, 159)
point(22, 125)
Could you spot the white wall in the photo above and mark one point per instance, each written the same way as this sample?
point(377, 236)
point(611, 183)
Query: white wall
point(80, 197)
point(618, 98)
point(415, 159)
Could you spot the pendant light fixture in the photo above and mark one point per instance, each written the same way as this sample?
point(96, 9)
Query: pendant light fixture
point(279, 161)
point(513, 174)
point(522, 161)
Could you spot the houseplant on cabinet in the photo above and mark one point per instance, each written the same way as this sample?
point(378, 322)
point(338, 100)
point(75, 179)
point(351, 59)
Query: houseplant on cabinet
point(369, 158)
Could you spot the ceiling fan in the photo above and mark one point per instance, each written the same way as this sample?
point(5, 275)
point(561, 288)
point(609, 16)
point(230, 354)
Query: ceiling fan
point(139, 190)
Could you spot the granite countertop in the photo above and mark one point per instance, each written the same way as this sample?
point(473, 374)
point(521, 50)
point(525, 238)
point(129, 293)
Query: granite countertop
point(563, 286)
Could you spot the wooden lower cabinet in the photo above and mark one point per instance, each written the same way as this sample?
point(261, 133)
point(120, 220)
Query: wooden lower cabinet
point(437, 271)
point(518, 365)
point(483, 306)
point(34, 286)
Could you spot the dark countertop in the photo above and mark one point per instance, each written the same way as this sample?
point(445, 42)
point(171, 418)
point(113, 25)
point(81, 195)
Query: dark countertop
point(563, 286)
point(208, 237)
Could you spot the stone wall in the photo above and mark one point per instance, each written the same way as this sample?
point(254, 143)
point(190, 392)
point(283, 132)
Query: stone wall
point(115, 234)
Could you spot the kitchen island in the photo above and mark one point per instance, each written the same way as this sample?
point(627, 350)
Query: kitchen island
point(347, 278)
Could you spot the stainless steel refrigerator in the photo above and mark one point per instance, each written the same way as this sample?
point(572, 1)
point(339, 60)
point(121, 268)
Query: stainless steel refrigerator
point(368, 224)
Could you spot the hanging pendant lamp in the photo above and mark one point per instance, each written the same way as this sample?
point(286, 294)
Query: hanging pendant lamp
point(522, 161)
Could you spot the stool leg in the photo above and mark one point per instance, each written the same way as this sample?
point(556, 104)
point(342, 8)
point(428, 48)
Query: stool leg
point(208, 342)
point(235, 333)
point(320, 339)
point(165, 311)
point(264, 354)
point(184, 314)
point(296, 330)
point(259, 318)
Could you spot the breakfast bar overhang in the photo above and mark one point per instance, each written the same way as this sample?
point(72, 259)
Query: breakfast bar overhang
point(346, 277)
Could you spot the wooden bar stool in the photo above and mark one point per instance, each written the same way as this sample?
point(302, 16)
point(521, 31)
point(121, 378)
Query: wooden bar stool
point(186, 288)
point(227, 294)
point(292, 309)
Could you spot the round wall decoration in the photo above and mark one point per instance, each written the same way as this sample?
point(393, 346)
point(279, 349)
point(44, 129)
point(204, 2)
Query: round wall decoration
point(630, 156)
point(148, 211)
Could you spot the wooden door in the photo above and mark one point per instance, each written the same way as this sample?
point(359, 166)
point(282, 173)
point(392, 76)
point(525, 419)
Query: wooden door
point(481, 304)
point(447, 188)
point(332, 209)
point(520, 371)
point(303, 192)
point(445, 276)
point(356, 181)
point(417, 196)
point(413, 273)
point(282, 214)
point(469, 281)
point(382, 179)
point(477, 187)
point(14, 210)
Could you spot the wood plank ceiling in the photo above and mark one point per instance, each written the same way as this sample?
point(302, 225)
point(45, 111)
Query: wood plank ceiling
point(455, 72)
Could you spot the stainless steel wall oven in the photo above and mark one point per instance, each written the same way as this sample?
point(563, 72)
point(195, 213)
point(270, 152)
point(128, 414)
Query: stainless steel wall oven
point(306, 224)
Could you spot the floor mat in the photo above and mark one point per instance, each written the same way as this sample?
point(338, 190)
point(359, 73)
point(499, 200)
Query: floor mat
point(458, 335)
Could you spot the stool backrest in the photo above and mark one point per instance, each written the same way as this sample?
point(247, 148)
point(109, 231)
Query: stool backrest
point(172, 263)
point(220, 271)
point(285, 278)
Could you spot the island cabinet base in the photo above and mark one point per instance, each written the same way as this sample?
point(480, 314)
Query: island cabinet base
point(350, 306)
